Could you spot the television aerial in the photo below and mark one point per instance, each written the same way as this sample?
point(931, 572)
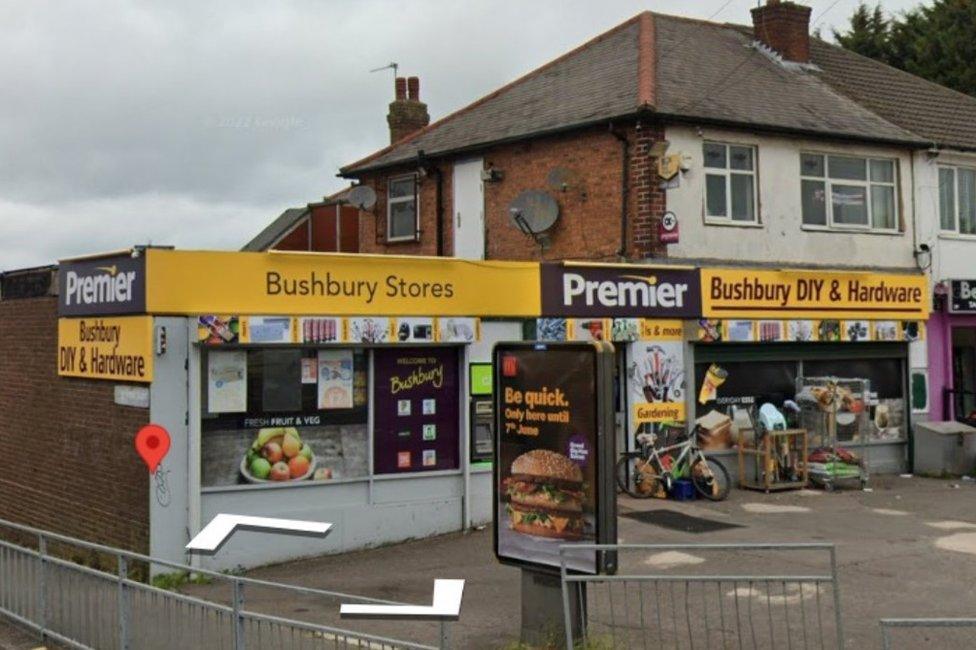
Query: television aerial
point(534, 213)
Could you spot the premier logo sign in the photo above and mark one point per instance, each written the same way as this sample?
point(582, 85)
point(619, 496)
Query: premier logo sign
point(629, 291)
point(102, 286)
point(619, 291)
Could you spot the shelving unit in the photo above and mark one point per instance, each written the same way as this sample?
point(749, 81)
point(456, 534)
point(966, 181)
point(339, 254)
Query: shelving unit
point(779, 461)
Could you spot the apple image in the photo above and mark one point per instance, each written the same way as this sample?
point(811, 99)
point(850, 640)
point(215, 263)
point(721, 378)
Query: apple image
point(290, 446)
point(322, 474)
point(305, 451)
point(279, 471)
point(272, 451)
point(260, 468)
point(297, 466)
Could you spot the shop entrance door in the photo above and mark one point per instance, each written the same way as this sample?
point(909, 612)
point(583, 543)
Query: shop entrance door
point(469, 210)
point(963, 372)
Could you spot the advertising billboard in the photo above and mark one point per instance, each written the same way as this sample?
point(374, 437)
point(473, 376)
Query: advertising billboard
point(554, 451)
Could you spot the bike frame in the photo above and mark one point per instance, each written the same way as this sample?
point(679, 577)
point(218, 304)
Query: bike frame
point(688, 449)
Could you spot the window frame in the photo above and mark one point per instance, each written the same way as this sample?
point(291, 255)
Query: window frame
point(415, 236)
point(726, 173)
point(867, 184)
point(956, 213)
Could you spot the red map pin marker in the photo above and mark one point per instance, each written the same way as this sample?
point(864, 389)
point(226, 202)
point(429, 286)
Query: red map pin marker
point(152, 443)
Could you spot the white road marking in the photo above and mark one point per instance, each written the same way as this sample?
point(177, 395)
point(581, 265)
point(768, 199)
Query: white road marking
point(671, 559)
point(772, 508)
point(887, 511)
point(950, 525)
point(960, 543)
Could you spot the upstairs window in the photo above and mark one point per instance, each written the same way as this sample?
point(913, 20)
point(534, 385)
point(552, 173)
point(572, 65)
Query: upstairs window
point(730, 183)
point(401, 209)
point(848, 193)
point(957, 200)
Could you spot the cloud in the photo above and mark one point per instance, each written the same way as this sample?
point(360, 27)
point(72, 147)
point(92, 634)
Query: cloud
point(197, 123)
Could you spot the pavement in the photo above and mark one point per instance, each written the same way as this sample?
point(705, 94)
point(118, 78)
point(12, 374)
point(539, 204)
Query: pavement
point(906, 548)
point(14, 637)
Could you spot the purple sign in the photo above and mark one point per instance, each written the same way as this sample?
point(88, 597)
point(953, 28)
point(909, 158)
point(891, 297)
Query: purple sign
point(620, 291)
point(415, 410)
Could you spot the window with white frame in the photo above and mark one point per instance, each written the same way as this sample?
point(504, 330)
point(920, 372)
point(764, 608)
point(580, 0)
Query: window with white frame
point(848, 192)
point(957, 200)
point(730, 183)
point(401, 209)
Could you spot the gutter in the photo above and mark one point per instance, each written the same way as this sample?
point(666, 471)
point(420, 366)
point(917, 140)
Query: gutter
point(641, 112)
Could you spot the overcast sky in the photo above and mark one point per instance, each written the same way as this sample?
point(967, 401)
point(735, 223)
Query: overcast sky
point(196, 123)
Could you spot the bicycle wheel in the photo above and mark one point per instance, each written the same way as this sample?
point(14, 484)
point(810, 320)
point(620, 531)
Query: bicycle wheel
point(710, 478)
point(639, 480)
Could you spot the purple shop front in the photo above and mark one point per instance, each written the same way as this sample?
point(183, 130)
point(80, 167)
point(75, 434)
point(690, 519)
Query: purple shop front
point(416, 417)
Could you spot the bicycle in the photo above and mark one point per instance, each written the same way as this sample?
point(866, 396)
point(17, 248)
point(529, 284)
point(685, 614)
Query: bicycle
point(655, 470)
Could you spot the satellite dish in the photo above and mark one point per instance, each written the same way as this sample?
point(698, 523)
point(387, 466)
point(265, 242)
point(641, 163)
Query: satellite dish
point(561, 178)
point(362, 197)
point(533, 212)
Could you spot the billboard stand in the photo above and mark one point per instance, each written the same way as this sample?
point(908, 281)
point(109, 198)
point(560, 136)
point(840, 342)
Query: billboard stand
point(543, 622)
point(554, 493)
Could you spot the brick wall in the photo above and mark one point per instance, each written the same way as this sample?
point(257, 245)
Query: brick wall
point(589, 225)
point(68, 463)
point(372, 224)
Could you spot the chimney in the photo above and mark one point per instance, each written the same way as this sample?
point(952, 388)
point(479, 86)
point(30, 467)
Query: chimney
point(407, 113)
point(784, 27)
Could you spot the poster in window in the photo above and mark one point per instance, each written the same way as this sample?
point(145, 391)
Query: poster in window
point(407, 381)
point(227, 381)
point(335, 379)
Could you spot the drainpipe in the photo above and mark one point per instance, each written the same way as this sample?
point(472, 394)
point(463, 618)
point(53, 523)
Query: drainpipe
point(424, 163)
point(624, 186)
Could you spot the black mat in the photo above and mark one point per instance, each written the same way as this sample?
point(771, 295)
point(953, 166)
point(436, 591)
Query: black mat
point(678, 521)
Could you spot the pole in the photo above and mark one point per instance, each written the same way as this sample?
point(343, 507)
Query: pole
point(123, 604)
point(238, 605)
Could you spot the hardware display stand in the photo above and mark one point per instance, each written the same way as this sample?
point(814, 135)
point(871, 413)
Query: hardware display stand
point(829, 405)
point(780, 461)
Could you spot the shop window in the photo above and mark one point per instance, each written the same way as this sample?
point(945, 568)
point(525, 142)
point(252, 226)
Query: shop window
point(730, 183)
point(319, 393)
point(848, 192)
point(402, 209)
point(957, 200)
point(416, 415)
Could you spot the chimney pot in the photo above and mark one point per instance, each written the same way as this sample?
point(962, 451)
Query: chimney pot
point(407, 113)
point(784, 27)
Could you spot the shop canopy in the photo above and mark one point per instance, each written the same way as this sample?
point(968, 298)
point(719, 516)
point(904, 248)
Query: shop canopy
point(172, 282)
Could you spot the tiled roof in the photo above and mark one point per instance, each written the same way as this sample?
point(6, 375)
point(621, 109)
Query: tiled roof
point(276, 229)
point(686, 69)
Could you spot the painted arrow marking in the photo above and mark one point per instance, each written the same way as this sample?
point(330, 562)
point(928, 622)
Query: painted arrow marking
point(222, 527)
point(447, 605)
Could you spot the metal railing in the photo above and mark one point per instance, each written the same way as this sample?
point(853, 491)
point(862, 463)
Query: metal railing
point(695, 606)
point(49, 591)
point(941, 633)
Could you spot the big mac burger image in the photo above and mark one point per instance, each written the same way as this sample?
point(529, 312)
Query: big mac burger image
point(545, 495)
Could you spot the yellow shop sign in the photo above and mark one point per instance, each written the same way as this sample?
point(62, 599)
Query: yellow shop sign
point(742, 293)
point(106, 348)
point(198, 282)
point(659, 412)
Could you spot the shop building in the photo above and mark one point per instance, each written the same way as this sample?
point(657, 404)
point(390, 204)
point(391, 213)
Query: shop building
point(353, 389)
point(693, 143)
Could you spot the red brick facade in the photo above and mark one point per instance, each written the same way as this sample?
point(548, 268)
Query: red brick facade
point(66, 447)
point(589, 226)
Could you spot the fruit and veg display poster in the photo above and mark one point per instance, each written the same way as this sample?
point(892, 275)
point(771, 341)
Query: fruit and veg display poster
point(227, 381)
point(546, 470)
point(335, 373)
point(415, 410)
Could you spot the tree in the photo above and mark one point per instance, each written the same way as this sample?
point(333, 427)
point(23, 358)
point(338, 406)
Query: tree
point(936, 42)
